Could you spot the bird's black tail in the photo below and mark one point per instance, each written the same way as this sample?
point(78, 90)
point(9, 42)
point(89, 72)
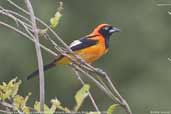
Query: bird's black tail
point(45, 67)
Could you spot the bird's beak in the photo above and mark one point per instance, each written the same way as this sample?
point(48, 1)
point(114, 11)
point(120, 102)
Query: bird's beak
point(114, 30)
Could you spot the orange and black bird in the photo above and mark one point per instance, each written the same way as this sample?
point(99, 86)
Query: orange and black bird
point(90, 48)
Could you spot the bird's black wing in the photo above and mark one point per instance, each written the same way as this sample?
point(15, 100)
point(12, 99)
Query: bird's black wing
point(83, 43)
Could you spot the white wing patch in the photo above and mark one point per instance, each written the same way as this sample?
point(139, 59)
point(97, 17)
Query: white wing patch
point(74, 43)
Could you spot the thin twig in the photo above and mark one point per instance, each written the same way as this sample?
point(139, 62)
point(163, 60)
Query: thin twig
point(39, 56)
point(6, 104)
point(123, 102)
point(16, 14)
point(27, 36)
point(17, 20)
point(10, 106)
point(98, 84)
point(5, 112)
point(89, 94)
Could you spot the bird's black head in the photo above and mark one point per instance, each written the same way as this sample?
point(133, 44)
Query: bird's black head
point(107, 30)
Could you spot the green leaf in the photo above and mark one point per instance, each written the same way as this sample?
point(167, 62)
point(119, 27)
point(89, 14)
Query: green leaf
point(9, 90)
point(112, 108)
point(26, 110)
point(54, 21)
point(56, 104)
point(15, 88)
point(81, 95)
point(46, 108)
point(20, 102)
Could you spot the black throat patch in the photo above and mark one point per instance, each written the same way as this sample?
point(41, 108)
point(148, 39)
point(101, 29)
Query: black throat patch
point(106, 36)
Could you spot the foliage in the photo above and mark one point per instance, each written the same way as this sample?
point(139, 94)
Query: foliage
point(9, 90)
point(9, 95)
point(111, 109)
point(81, 95)
point(54, 21)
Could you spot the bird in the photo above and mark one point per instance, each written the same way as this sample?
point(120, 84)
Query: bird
point(90, 47)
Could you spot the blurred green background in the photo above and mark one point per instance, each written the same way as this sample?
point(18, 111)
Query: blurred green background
point(137, 61)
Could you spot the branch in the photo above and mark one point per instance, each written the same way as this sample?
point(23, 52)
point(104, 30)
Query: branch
point(27, 36)
point(123, 102)
point(39, 55)
point(98, 84)
point(89, 94)
point(9, 106)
